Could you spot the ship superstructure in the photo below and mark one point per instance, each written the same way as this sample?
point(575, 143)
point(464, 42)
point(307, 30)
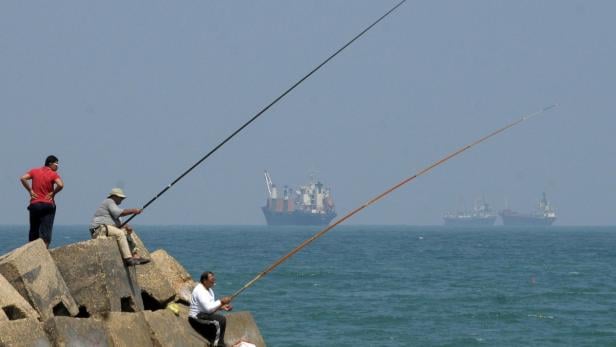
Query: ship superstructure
point(480, 215)
point(543, 216)
point(309, 204)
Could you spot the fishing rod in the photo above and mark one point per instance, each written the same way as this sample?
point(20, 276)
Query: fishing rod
point(382, 195)
point(265, 109)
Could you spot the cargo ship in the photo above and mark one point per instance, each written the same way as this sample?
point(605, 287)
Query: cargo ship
point(310, 204)
point(480, 215)
point(544, 216)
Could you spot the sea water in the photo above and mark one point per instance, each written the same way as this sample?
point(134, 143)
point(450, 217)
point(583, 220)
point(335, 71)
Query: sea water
point(402, 285)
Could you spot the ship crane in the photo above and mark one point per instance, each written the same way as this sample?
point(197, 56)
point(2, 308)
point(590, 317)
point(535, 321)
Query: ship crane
point(268, 183)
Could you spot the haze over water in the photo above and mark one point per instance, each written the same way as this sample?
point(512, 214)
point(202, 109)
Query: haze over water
point(130, 94)
point(403, 285)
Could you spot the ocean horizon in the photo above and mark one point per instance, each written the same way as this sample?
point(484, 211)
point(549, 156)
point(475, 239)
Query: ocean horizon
point(400, 285)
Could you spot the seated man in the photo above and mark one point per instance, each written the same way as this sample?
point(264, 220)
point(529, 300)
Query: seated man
point(106, 222)
point(203, 307)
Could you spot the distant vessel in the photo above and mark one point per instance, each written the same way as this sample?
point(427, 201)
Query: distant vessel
point(481, 215)
point(544, 216)
point(310, 204)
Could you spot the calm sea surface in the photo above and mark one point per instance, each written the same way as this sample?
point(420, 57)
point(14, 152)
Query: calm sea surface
point(403, 285)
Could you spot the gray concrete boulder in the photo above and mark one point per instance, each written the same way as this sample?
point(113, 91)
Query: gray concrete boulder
point(88, 279)
point(179, 279)
point(68, 331)
point(170, 330)
point(128, 329)
point(99, 281)
point(23, 332)
point(156, 290)
point(242, 327)
point(12, 305)
point(33, 273)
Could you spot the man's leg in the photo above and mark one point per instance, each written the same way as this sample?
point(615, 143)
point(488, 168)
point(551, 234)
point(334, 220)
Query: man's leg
point(201, 327)
point(219, 321)
point(35, 222)
point(120, 237)
point(223, 326)
point(48, 213)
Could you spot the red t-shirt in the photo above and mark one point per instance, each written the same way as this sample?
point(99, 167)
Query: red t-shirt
point(42, 184)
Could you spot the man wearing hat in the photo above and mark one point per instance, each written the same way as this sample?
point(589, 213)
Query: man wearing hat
point(106, 222)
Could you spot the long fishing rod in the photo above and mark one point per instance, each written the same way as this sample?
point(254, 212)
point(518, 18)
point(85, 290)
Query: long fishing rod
point(265, 109)
point(382, 195)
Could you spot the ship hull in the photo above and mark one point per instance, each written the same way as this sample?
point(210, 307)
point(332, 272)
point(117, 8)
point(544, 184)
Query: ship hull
point(469, 222)
point(526, 220)
point(297, 217)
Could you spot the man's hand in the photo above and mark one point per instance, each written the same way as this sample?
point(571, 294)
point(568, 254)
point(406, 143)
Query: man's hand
point(226, 307)
point(226, 300)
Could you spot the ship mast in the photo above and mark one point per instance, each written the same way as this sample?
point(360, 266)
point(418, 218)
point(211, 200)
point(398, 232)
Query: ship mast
point(268, 183)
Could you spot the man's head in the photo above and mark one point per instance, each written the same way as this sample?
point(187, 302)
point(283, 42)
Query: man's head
point(52, 162)
point(117, 194)
point(208, 279)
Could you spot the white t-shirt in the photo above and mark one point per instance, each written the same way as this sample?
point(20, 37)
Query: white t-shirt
point(202, 300)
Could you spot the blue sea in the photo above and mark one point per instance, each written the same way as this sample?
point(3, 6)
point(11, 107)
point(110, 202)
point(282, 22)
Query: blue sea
point(403, 285)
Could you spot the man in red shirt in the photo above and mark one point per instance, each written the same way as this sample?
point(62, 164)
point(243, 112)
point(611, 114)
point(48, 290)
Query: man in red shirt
point(46, 183)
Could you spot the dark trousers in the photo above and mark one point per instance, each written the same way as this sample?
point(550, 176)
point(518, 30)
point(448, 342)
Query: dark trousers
point(41, 221)
point(211, 326)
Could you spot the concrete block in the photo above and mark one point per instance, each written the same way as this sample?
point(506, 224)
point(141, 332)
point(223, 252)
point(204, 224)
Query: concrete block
point(23, 332)
point(170, 330)
point(68, 331)
point(183, 310)
point(12, 305)
point(155, 288)
point(99, 281)
point(241, 326)
point(128, 329)
point(177, 276)
point(33, 273)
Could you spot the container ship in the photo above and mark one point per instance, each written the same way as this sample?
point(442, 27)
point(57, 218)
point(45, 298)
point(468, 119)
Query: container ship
point(544, 216)
point(310, 204)
point(481, 215)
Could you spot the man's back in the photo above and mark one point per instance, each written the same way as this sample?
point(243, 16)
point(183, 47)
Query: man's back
point(108, 213)
point(43, 184)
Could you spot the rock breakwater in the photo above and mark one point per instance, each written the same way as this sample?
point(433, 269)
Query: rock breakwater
point(81, 294)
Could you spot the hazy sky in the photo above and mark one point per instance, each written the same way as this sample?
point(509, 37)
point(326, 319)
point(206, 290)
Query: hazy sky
point(132, 93)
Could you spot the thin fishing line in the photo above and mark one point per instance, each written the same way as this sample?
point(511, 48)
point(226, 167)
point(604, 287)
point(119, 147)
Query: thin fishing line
point(265, 109)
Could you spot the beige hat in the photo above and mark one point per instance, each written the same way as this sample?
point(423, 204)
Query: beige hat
point(117, 192)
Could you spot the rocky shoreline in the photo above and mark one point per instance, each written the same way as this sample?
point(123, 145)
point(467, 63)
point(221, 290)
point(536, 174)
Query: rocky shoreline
point(81, 294)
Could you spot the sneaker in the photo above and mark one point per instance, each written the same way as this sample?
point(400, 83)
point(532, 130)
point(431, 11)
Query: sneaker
point(135, 261)
point(131, 262)
point(141, 260)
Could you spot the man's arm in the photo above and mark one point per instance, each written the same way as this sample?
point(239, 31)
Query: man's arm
point(128, 211)
point(59, 185)
point(225, 303)
point(24, 182)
